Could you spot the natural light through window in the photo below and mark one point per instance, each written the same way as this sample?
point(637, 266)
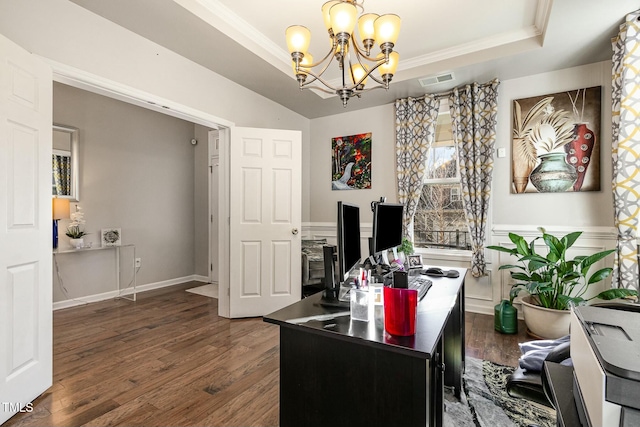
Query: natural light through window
point(439, 221)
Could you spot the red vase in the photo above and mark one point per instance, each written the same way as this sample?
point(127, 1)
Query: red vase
point(579, 151)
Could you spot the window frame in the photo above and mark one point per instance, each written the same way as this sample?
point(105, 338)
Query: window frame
point(445, 254)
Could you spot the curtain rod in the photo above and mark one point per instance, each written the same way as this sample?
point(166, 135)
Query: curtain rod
point(448, 93)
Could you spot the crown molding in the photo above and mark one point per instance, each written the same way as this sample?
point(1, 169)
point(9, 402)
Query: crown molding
point(216, 14)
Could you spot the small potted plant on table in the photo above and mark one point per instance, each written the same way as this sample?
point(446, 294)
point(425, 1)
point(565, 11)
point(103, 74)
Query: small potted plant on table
point(74, 230)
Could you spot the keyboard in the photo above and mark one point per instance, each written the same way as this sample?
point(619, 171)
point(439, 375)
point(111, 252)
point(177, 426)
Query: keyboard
point(421, 284)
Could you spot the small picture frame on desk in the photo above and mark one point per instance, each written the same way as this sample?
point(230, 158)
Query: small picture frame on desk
point(415, 261)
point(111, 236)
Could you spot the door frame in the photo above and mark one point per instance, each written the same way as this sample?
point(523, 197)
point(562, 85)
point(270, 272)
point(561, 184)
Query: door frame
point(80, 79)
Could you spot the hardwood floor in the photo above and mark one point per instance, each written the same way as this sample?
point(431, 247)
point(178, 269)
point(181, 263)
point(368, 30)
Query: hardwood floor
point(169, 359)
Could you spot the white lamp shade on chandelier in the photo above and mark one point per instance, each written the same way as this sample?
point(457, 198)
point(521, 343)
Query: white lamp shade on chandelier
point(354, 60)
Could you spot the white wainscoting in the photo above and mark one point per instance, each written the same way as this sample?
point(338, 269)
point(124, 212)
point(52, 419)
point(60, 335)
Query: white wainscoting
point(482, 294)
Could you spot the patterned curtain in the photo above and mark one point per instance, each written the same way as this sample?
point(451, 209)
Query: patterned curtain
point(415, 132)
point(473, 119)
point(626, 150)
point(62, 174)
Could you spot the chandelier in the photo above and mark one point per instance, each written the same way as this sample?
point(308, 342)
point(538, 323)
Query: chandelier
point(355, 62)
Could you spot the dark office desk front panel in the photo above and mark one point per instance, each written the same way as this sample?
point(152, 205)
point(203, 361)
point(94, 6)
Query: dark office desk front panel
point(339, 372)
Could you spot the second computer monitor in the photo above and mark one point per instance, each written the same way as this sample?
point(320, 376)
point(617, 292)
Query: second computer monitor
point(348, 239)
point(387, 227)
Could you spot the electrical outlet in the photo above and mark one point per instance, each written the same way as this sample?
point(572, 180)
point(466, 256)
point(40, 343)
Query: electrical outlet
point(138, 262)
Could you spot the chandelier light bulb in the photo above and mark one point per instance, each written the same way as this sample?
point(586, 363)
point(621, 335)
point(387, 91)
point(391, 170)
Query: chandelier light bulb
point(389, 68)
point(366, 29)
point(298, 39)
point(343, 17)
point(326, 13)
point(353, 57)
point(357, 73)
point(387, 29)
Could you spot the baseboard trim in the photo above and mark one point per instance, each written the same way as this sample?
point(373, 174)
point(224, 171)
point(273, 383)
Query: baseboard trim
point(74, 302)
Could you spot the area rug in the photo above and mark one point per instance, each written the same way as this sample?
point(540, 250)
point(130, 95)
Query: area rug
point(485, 401)
point(210, 290)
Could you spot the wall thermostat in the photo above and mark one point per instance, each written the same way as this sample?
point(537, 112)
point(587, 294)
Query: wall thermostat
point(194, 141)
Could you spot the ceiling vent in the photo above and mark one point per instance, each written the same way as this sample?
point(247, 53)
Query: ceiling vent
point(434, 80)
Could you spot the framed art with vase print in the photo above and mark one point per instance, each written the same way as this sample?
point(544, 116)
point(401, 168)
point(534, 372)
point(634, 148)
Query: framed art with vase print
point(555, 144)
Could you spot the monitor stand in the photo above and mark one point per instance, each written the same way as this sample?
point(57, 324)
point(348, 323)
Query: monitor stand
point(330, 299)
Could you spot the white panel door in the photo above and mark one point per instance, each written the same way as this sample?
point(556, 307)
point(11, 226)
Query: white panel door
point(25, 228)
point(265, 219)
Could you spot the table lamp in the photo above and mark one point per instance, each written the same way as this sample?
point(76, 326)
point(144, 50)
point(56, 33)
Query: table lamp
point(60, 211)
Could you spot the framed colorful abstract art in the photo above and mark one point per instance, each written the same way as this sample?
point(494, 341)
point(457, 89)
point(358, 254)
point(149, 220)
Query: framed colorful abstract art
point(351, 162)
point(556, 142)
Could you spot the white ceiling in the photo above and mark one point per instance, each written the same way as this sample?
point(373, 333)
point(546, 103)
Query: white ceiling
point(244, 41)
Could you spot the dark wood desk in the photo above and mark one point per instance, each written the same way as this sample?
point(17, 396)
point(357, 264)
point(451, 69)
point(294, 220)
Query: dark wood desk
point(339, 372)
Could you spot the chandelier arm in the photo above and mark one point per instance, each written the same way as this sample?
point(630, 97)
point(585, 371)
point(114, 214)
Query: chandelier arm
point(330, 92)
point(370, 74)
point(331, 53)
point(375, 79)
point(369, 89)
point(320, 79)
point(363, 53)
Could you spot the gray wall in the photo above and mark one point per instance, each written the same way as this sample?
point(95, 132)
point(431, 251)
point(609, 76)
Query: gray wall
point(137, 174)
point(570, 209)
point(590, 212)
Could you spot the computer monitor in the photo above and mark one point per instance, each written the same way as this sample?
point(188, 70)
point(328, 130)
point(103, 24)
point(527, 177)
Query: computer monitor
point(349, 251)
point(387, 227)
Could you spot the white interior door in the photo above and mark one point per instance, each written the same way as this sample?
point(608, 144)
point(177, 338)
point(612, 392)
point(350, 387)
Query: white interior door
point(265, 220)
point(25, 228)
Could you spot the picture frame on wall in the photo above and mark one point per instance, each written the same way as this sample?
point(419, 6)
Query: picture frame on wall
point(351, 162)
point(556, 144)
point(111, 237)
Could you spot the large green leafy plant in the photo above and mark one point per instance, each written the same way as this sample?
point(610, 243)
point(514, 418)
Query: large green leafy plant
point(553, 280)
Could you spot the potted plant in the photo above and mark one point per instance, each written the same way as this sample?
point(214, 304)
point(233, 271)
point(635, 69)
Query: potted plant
point(74, 229)
point(554, 281)
point(404, 250)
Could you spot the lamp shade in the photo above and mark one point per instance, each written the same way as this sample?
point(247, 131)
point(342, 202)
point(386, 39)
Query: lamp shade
point(298, 38)
point(365, 26)
point(343, 17)
point(387, 28)
point(358, 72)
point(325, 12)
point(391, 66)
point(60, 208)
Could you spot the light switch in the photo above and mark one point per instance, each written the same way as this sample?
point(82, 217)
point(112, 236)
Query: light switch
point(502, 152)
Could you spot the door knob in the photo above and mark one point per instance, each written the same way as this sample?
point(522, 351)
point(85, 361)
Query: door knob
point(294, 231)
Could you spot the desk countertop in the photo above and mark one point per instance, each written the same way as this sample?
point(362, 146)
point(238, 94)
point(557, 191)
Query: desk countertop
point(433, 312)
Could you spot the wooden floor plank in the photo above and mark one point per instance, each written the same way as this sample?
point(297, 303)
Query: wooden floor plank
point(169, 359)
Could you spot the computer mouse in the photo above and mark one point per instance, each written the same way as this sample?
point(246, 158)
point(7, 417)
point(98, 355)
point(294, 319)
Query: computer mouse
point(434, 271)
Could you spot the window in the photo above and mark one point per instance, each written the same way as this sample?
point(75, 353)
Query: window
point(440, 221)
point(455, 194)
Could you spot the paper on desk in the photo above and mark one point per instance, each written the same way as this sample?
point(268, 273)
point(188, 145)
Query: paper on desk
point(320, 317)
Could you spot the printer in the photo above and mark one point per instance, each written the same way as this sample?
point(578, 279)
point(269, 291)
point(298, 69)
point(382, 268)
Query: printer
point(605, 349)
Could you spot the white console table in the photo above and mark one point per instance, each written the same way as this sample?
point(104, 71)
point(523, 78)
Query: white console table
point(57, 252)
